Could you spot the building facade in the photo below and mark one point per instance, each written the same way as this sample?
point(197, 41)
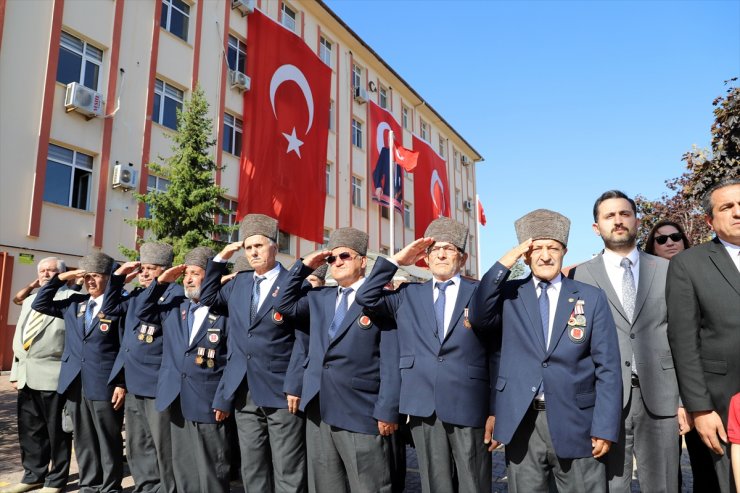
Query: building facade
point(69, 157)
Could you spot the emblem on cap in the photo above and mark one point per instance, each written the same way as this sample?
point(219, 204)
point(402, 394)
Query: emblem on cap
point(365, 321)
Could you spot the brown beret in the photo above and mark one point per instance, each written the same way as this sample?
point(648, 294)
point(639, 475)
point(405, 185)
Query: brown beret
point(350, 238)
point(199, 256)
point(258, 224)
point(157, 254)
point(448, 230)
point(543, 224)
point(96, 263)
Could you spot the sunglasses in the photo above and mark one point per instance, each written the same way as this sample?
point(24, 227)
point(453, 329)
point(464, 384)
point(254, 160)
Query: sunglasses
point(675, 237)
point(344, 256)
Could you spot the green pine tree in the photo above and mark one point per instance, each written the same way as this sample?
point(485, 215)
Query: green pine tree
point(183, 215)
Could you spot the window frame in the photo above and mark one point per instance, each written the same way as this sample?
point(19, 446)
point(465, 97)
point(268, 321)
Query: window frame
point(326, 50)
point(170, 4)
point(239, 48)
point(281, 243)
point(286, 11)
point(383, 99)
point(75, 166)
point(356, 131)
point(234, 129)
point(405, 117)
point(157, 188)
point(329, 179)
point(228, 220)
point(424, 133)
point(407, 217)
point(86, 54)
point(162, 97)
point(356, 75)
point(356, 188)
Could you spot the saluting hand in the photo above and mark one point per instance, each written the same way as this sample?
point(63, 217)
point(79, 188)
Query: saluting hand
point(316, 259)
point(510, 258)
point(171, 274)
point(413, 252)
point(230, 250)
point(72, 274)
point(127, 268)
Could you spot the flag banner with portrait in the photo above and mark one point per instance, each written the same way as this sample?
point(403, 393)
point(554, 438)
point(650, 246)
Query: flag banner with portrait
point(431, 189)
point(381, 124)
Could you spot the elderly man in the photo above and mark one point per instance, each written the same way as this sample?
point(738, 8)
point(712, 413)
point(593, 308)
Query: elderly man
point(37, 346)
point(703, 295)
point(351, 383)
point(92, 339)
point(148, 443)
point(559, 386)
point(273, 456)
point(651, 416)
point(446, 368)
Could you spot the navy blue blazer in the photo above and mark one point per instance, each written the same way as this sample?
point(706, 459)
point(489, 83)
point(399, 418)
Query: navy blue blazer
point(355, 375)
point(580, 368)
point(89, 356)
point(259, 350)
point(138, 359)
point(180, 374)
point(452, 379)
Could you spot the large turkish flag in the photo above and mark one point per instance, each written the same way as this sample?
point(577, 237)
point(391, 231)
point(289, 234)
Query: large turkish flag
point(283, 165)
point(381, 124)
point(431, 190)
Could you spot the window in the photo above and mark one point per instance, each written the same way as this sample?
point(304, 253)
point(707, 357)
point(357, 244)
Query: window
point(331, 115)
point(327, 234)
point(284, 242)
point(405, 117)
point(458, 199)
point(356, 191)
point(68, 178)
point(356, 75)
point(167, 100)
point(78, 62)
point(456, 158)
point(385, 212)
point(442, 146)
point(357, 133)
point(228, 220)
point(325, 47)
point(232, 142)
point(407, 214)
point(175, 18)
point(288, 18)
point(383, 97)
point(237, 54)
point(329, 179)
point(423, 130)
point(155, 184)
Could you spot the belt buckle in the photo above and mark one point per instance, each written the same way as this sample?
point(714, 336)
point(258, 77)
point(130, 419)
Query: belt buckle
point(635, 380)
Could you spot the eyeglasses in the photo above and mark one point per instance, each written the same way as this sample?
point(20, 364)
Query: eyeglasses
point(448, 249)
point(675, 237)
point(344, 256)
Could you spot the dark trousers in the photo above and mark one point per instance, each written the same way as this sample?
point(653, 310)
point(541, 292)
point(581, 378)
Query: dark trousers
point(45, 448)
point(702, 465)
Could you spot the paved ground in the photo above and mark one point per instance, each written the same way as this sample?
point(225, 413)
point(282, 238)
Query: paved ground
point(11, 470)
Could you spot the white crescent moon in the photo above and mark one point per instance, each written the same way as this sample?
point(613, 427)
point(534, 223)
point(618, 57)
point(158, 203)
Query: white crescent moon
point(436, 179)
point(399, 158)
point(291, 72)
point(379, 137)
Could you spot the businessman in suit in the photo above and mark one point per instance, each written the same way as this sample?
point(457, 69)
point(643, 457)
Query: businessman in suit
point(703, 295)
point(148, 441)
point(273, 456)
point(37, 347)
point(634, 283)
point(193, 360)
point(559, 386)
point(446, 366)
point(351, 381)
point(91, 343)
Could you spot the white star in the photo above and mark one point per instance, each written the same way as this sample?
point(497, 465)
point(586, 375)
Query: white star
point(294, 144)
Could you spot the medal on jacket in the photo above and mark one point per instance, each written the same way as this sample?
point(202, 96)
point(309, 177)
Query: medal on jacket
point(364, 321)
point(214, 335)
point(199, 358)
point(104, 324)
point(277, 317)
point(211, 357)
point(466, 322)
point(577, 323)
point(81, 309)
point(275, 293)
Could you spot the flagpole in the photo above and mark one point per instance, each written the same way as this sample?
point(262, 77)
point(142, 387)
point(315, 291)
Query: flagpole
point(392, 194)
point(477, 234)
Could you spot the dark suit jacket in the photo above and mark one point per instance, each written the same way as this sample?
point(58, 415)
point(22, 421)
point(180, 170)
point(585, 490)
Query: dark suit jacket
point(355, 375)
point(703, 294)
point(452, 379)
point(179, 375)
point(89, 356)
point(580, 370)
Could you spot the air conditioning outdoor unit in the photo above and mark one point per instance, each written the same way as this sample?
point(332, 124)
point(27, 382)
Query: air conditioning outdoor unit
point(468, 205)
point(360, 95)
point(244, 6)
point(465, 161)
point(240, 81)
point(124, 176)
point(83, 100)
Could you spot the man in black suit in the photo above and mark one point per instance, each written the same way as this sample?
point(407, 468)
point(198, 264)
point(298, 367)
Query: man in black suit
point(703, 296)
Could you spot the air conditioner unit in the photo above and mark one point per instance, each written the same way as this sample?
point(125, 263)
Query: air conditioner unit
point(244, 6)
point(83, 100)
point(124, 176)
point(468, 205)
point(240, 81)
point(465, 161)
point(360, 95)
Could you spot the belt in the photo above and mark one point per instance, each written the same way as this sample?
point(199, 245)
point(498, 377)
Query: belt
point(538, 405)
point(635, 380)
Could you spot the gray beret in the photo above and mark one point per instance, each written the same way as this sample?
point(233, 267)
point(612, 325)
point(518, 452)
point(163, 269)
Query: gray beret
point(543, 224)
point(242, 264)
point(449, 230)
point(350, 238)
point(157, 254)
point(97, 263)
point(321, 272)
point(199, 257)
point(258, 224)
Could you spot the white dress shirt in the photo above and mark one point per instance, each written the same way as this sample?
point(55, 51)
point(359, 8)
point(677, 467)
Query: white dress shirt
point(553, 293)
point(198, 317)
point(267, 285)
point(615, 272)
point(733, 251)
point(350, 297)
point(98, 304)
point(450, 298)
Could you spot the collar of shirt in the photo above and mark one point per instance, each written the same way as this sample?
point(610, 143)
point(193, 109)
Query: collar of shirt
point(98, 304)
point(615, 272)
point(450, 297)
point(351, 297)
point(199, 315)
point(266, 285)
point(553, 293)
point(733, 251)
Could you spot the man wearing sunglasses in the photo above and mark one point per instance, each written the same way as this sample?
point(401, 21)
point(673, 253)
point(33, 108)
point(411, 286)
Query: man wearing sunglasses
point(351, 383)
point(634, 283)
point(446, 365)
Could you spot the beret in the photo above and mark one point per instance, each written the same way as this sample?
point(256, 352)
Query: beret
point(350, 238)
point(199, 256)
point(543, 224)
point(97, 263)
point(258, 224)
point(157, 254)
point(448, 230)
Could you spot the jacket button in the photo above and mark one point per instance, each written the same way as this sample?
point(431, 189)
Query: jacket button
point(187, 354)
point(534, 389)
point(544, 364)
point(83, 360)
point(632, 336)
point(249, 356)
point(127, 350)
point(184, 375)
point(326, 367)
point(440, 359)
point(249, 335)
point(627, 363)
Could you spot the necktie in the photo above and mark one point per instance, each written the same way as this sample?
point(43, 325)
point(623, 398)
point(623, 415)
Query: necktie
point(629, 292)
point(89, 316)
point(255, 298)
point(340, 312)
point(439, 308)
point(191, 315)
point(35, 321)
point(544, 300)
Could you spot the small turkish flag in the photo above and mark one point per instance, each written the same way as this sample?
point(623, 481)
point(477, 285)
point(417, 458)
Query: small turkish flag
point(283, 165)
point(481, 214)
point(431, 189)
point(406, 158)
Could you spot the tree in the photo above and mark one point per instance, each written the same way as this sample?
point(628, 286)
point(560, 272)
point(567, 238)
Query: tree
point(184, 215)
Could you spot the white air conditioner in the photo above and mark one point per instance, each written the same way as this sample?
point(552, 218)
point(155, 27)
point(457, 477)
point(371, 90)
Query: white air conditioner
point(244, 6)
point(465, 161)
point(83, 100)
point(468, 205)
point(239, 81)
point(124, 176)
point(360, 95)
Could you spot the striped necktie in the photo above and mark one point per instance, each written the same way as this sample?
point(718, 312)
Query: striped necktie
point(32, 328)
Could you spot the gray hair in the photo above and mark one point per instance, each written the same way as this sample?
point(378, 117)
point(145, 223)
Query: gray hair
point(706, 201)
point(61, 266)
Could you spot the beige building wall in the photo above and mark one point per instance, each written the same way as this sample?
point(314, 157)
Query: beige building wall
point(135, 51)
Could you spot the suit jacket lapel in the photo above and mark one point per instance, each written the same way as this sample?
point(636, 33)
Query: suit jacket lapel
point(268, 303)
point(647, 274)
point(720, 258)
point(528, 296)
point(464, 292)
point(598, 272)
point(330, 305)
point(566, 302)
point(353, 312)
point(202, 330)
point(427, 301)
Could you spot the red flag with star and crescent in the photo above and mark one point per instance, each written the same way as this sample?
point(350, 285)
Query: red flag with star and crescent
point(286, 112)
point(381, 123)
point(431, 189)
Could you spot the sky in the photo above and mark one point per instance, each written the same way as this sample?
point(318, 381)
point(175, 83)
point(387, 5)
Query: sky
point(563, 99)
